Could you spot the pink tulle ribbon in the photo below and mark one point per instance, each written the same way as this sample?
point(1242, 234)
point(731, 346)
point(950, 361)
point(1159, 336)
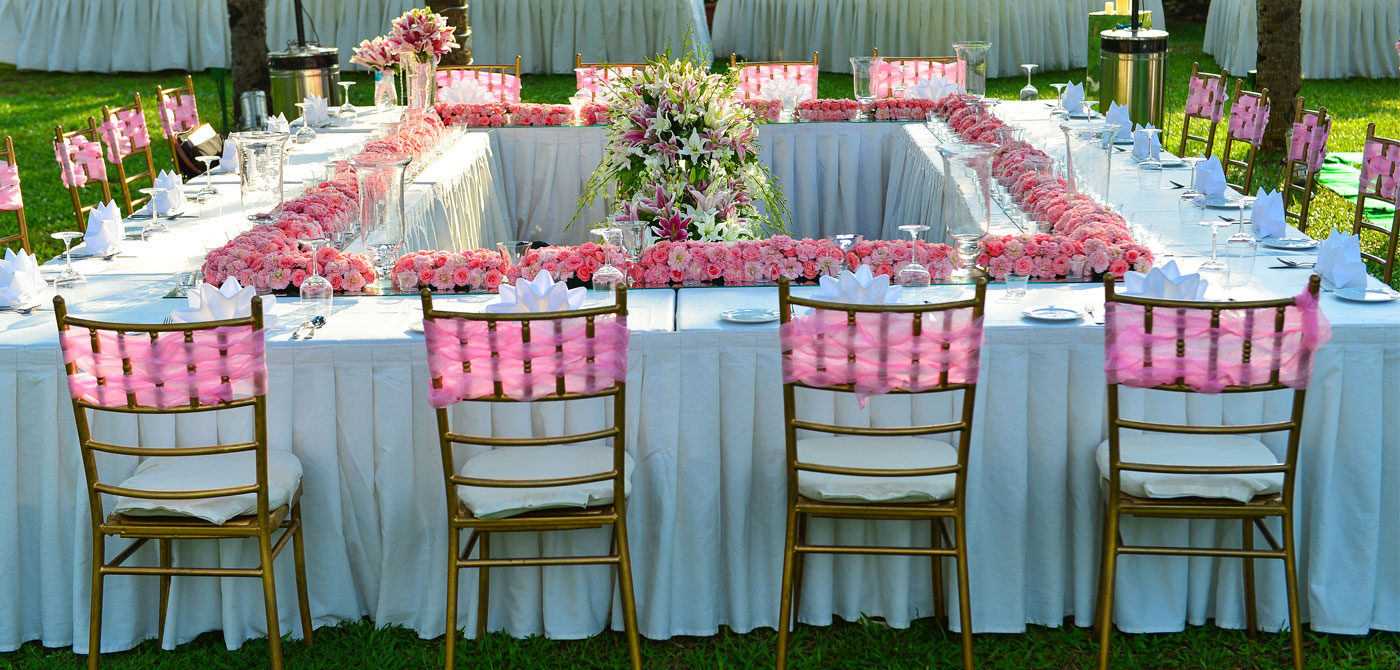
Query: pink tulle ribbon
point(123, 133)
point(1248, 119)
point(1206, 97)
point(466, 359)
point(217, 366)
point(1308, 141)
point(1213, 357)
point(1378, 168)
point(80, 161)
point(10, 198)
point(753, 77)
point(880, 352)
point(506, 87)
point(887, 77)
point(178, 114)
point(598, 79)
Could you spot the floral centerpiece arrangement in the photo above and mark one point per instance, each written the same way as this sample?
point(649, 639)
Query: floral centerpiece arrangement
point(474, 114)
point(682, 156)
point(593, 113)
point(535, 114)
point(902, 109)
point(377, 55)
point(416, 41)
point(828, 109)
point(473, 270)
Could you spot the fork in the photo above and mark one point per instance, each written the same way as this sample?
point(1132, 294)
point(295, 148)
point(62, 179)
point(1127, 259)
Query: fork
point(1089, 308)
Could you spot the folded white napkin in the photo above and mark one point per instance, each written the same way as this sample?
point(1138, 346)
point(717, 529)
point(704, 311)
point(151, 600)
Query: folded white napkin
point(1267, 219)
point(229, 161)
point(542, 294)
point(787, 91)
point(230, 301)
point(1210, 178)
point(173, 198)
point(936, 87)
point(858, 287)
point(105, 230)
point(20, 282)
point(278, 124)
point(467, 91)
point(1141, 148)
point(1118, 115)
point(317, 111)
point(1166, 283)
point(1073, 98)
point(1339, 261)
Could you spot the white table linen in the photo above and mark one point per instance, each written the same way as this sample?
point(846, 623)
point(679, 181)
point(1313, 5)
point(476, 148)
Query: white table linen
point(1340, 39)
point(547, 33)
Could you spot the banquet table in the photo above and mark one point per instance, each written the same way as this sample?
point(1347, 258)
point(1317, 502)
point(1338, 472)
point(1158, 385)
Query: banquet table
point(547, 33)
point(706, 509)
point(1340, 39)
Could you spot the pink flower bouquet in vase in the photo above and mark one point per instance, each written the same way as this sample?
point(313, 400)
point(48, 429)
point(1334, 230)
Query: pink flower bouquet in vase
point(419, 38)
point(376, 55)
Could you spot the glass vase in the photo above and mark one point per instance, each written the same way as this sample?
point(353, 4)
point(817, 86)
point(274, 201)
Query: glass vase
point(381, 181)
point(261, 155)
point(419, 79)
point(972, 60)
point(385, 95)
point(967, 199)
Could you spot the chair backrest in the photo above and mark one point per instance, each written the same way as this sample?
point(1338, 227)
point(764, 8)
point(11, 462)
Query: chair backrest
point(594, 78)
point(1249, 116)
point(872, 350)
point(177, 111)
point(1307, 148)
point(1205, 100)
point(1380, 175)
point(889, 76)
point(753, 75)
point(169, 369)
point(528, 357)
point(1211, 347)
point(124, 134)
point(501, 80)
point(80, 163)
point(11, 199)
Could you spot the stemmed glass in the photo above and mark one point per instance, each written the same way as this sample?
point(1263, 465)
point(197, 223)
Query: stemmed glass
point(1241, 248)
point(1150, 167)
point(1060, 112)
point(1215, 270)
point(913, 274)
point(306, 133)
point(153, 224)
point(1029, 92)
point(316, 291)
point(608, 277)
point(513, 250)
point(347, 113)
point(633, 235)
point(844, 242)
point(1192, 162)
point(861, 71)
point(208, 191)
point(69, 276)
point(1087, 108)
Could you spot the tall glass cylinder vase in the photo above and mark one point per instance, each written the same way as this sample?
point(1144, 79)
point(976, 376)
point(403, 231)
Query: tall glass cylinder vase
point(972, 60)
point(967, 198)
point(385, 95)
point(381, 179)
point(419, 78)
point(260, 158)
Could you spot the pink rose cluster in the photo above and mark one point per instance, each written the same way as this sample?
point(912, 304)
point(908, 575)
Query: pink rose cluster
point(473, 115)
point(903, 109)
point(1045, 256)
point(472, 270)
point(535, 114)
point(764, 110)
point(564, 263)
point(968, 122)
point(828, 109)
point(415, 136)
point(421, 31)
point(267, 258)
point(593, 113)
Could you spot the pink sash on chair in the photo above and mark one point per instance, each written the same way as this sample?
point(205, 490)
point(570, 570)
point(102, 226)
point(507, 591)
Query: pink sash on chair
point(80, 161)
point(596, 80)
point(178, 113)
point(1248, 119)
point(1206, 97)
point(888, 77)
point(753, 77)
point(10, 198)
point(1379, 163)
point(124, 133)
point(214, 367)
point(1309, 142)
point(506, 87)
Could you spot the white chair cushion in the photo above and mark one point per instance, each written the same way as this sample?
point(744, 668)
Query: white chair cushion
point(189, 473)
point(1176, 449)
point(551, 462)
point(881, 453)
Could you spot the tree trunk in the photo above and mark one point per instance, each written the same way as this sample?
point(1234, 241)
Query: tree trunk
point(247, 28)
point(455, 11)
point(1280, 64)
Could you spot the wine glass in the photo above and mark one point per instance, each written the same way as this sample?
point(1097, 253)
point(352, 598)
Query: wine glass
point(844, 242)
point(913, 274)
point(208, 191)
point(1087, 108)
point(306, 133)
point(633, 237)
point(513, 251)
point(1192, 162)
point(1189, 209)
point(1029, 92)
point(861, 71)
point(153, 223)
point(608, 277)
point(347, 113)
point(1241, 248)
point(316, 291)
point(1215, 266)
point(1059, 112)
point(69, 276)
point(1150, 167)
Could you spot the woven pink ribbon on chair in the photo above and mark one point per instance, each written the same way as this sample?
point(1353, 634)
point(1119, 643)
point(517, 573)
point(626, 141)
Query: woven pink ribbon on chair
point(466, 358)
point(753, 77)
point(80, 161)
point(178, 113)
point(1206, 97)
point(1248, 119)
point(506, 87)
point(1379, 163)
point(888, 77)
point(124, 133)
point(597, 79)
point(10, 198)
point(1213, 356)
point(880, 352)
point(1308, 142)
point(218, 365)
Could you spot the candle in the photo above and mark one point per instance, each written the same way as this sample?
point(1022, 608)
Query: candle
point(1125, 7)
point(1108, 7)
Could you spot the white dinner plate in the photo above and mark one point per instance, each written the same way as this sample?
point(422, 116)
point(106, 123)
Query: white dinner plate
point(1359, 294)
point(1052, 313)
point(752, 315)
point(1289, 242)
point(1228, 201)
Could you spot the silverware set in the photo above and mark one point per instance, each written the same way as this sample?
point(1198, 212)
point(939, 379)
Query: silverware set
point(307, 329)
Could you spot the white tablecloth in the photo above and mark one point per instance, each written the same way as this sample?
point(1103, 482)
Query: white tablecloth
point(547, 33)
point(1051, 33)
point(1351, 38)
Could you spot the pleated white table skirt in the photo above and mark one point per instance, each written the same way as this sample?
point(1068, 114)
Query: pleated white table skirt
point(1341, 38)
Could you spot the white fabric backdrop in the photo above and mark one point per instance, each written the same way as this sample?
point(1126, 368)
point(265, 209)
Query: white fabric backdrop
point(1350, 38)
point(1051, 33)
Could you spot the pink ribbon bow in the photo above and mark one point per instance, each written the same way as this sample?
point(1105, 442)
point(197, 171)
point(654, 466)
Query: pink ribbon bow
point(79, 161)
point(123, 133)
point(1378, 168)
point(10, 198)
point(1205, 98)
point(1248, 119)
point(1308, 142)
point(178, 114)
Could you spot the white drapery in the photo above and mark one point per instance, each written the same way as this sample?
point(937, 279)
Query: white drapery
point(547, 33)
point(1340, 39)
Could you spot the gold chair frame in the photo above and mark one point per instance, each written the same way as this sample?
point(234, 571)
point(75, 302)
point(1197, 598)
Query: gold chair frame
point(944, 60)
point(497, 69)
point(8, 155)
point(92, 134)
point(801, 508)
point(1227, 159)
point(1305, 192)
point(163, 94)
point(461, 518)
point(1386, 259)
point(132, 204)
point(1252, 514)
point(166, 529)
point(735, 64)
point(1209, 138)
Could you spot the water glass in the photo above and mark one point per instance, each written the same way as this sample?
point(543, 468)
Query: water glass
point(1190, 209)
point(1016, 285)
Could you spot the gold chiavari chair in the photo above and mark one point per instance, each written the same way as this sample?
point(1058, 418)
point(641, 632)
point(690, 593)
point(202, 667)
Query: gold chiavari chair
point(1205, 347)
point(1307, 148)
point(222, 491)
point(580, 354)
point(605, 71)
point(509, 93)
point(176, 109)
point(1380, 172)
point(1249, 115)
point(753, 73)
point(917, 66)
point(11, 197)
point(1208, 109)
point(578, 63)
point(494, 69)
point(80, 171)
point(922, 479)
point(115, 120)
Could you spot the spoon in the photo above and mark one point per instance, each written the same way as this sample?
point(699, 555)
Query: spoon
point(316, 323)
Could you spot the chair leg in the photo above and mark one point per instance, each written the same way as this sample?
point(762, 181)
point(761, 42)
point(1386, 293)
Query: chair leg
point(99, 556)
point(939, 611)
point(165, 563)
point(624, 583)
point(785, 599)
point(1251, 614)
point(274, 634)
point(299, 562)
point(483, 586)
point(453, 572)
point(1290, 570)
point(799, 565)
point(1107, 570)
point(964, 591)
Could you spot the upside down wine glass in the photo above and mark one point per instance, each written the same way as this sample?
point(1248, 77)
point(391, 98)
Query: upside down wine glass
point(347, 113)
point(1029, 92)
point(69, 276)
point(1241, 248)
point(305, 134)
point(608, 277)
point(316, 291)
point(913, 274)
point(844, 242)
